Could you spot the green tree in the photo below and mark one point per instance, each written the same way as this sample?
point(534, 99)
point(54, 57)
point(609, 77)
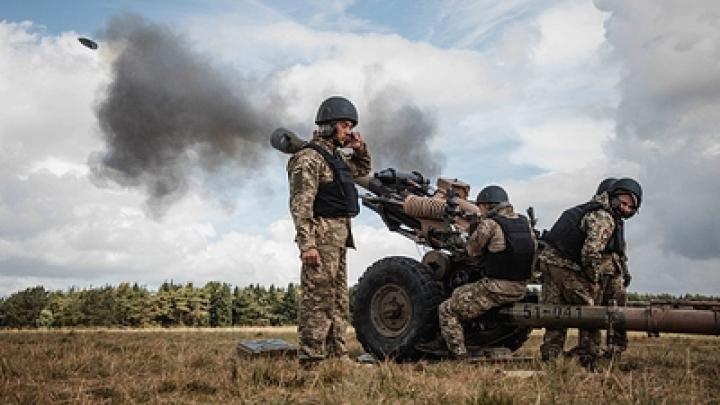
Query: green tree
point(221, 301)
point(247, 309)
point(133, 305)
point(66, 308)
point(21, 309)
point(289, 306)
point(44, 319)
point(161, 309)
point(97, 306)
point(199, 306)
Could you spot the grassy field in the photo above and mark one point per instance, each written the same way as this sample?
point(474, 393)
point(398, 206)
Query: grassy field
point(198, 366)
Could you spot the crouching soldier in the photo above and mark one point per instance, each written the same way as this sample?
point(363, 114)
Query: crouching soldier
point(613, 287)
point(506, 243)
point(584, 261)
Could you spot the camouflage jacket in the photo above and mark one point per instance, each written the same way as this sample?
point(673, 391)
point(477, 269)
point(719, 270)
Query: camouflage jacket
point(306, 170)
point(488, 233)
point(598, 225)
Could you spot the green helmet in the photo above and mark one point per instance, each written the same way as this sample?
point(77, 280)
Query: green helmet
point(336, 108)
point(492, 195)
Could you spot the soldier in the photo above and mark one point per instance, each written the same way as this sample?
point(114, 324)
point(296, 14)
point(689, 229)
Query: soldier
point(506, 243)
point(323, 198)
point(584, 258)
point(613, 288)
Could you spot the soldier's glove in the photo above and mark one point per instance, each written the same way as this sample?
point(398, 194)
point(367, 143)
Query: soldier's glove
point(627, 278)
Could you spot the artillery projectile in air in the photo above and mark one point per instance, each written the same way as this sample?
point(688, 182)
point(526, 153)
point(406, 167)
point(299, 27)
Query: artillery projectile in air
point(88, 43)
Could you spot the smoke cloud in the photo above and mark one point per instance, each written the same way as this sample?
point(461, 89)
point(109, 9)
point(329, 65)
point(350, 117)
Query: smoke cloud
point(668, 120)
point(169, 115)
point(401, 135)
point(168, 111)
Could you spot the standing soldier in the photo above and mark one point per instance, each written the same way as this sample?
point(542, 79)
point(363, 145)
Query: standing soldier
point(585, 259)
point(507, 244)
point(323, 198)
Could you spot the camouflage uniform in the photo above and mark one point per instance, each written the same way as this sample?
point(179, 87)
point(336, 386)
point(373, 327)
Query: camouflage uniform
point(612, 288)
point(324, 302)
point(567, 283)
point(472, 300)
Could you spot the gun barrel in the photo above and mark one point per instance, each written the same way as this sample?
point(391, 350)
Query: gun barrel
point(651, 319)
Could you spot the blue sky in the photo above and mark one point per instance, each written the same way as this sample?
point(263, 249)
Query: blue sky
point(543, 97)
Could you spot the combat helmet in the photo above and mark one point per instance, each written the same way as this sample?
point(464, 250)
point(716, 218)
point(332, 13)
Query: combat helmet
point(336, 108)
point(492, 195)
point(625, 185)
point(605, 185)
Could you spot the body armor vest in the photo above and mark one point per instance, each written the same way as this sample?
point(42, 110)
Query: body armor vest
point(338, 198)
point(568, 238)
point(515, 262)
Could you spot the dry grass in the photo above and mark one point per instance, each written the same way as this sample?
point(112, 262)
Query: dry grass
point(186, 366)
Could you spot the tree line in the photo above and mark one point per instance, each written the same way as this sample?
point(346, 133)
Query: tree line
point(215, 304)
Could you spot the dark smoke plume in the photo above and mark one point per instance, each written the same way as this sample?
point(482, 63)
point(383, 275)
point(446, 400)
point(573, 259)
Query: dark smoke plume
point(168, 110)
point(170, 115)
point(399, 135)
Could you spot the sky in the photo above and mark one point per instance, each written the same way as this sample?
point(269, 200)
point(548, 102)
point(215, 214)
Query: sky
point(148, 159)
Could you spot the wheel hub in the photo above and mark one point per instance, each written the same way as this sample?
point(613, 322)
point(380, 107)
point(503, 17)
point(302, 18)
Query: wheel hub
point(391, 310)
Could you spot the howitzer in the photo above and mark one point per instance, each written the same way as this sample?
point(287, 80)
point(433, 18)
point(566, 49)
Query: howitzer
point(396, 299)
point(437, 218)
point(395, 305)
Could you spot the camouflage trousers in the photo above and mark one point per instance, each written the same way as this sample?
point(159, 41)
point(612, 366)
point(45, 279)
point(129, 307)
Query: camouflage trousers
point(611, 288)
point(324, 307)
point(563, 286)
point(470, 301)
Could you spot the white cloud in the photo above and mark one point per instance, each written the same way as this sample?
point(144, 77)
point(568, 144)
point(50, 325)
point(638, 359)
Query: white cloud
point(570, 33)
point(58, 167)
point(527, 75)
point(564, 146)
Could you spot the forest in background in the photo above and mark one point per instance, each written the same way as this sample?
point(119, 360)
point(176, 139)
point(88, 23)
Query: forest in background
point(216, 304)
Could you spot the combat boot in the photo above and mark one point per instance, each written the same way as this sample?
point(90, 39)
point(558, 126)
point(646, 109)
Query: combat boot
point(575, 351)
point(347, 362)
point(614, 353)
point(589, 362)
point(435, 347)
point(310, 364)
point(549, 354)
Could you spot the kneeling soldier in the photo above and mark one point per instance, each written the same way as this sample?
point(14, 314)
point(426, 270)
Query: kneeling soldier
point(506, 243)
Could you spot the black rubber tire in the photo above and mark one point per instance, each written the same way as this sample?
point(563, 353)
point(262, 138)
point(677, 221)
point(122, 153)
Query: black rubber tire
point(424, 293)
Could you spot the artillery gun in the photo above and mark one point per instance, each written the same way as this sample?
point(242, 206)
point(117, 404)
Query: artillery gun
point(394, 307)
point(396, 299)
